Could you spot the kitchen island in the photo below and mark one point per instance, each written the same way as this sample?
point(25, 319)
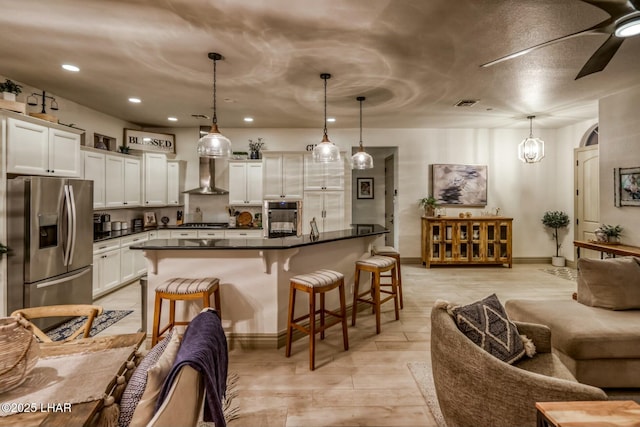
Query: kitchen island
point(254, 275)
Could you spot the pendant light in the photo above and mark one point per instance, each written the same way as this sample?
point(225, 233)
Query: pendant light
point(531, 150)
point(326, 151)
point(214, 144)
point(362, 159)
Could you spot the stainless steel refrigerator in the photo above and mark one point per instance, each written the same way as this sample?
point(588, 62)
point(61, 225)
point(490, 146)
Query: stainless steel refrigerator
point(50, 236)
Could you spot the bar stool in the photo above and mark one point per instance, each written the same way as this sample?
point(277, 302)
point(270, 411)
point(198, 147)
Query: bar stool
point(181, 289)
point(375, 265)
point(318, 282)
point(390, 251)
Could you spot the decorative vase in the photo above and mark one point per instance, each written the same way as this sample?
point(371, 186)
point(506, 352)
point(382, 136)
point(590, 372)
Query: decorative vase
point(19, 352)
point(254, 155)
point(558, 261)
point(9, 96)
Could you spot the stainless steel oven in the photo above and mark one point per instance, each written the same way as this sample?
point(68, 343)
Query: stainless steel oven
point(282, 218)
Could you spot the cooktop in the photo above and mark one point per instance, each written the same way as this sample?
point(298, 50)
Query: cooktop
point(204, 225)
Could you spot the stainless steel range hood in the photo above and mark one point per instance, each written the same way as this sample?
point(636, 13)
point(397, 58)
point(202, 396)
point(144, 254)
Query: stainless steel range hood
point(207, 179)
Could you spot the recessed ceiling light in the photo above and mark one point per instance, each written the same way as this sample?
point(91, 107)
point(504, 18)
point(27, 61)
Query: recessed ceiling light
point(70, 67)
point(172, 119)
point(331, 119)
point(135, 100)
point(248, 119)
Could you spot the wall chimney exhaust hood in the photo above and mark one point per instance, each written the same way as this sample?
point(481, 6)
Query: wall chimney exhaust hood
point(207, 179)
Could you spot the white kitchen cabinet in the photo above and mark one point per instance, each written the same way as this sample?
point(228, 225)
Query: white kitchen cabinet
point(243, 234)
point(211, 234)
point(323, 176)
point(132, 178)
point(155, 179)
point(36, 149)
point(173, 182)
point(283, 175)
point(106, 266)
point(132, 263)
point(114, 182)
point(245, 183)
point(327, 207)
point(183, 234)
point(94, 170)
point(160, 234)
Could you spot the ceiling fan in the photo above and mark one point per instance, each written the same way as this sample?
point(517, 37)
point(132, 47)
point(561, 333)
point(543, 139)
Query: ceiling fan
point(624, 22)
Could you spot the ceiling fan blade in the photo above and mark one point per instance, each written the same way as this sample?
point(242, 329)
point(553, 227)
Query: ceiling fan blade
point(601, 57)
point(615, 9)
point(589, 31)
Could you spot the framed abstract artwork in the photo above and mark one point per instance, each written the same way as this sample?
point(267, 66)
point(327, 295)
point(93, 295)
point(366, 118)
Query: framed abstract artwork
point(627, 186)
point(459, 185)
point(365, 188)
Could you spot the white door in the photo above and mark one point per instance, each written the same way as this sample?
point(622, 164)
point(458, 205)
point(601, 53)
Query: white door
point(272, 176)
point(312, 207)
point(132, 193)
point(173, 183)
point(237, 183)
point(64, 153)
point(333, 211)
point(292, 176)
point(94, 170)
point(27, 148)
point(114, 185)
point(587, 208)
point(155, 179)
point(254, 183)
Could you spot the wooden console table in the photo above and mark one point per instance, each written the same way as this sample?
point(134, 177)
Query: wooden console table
point(587, 414)
point(466, 241)
point(613, 249)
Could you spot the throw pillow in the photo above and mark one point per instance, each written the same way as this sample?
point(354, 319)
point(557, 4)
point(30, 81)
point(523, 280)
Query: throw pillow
point(135, 388)
point(486, 323)
point(612, 283)
point(155, 378)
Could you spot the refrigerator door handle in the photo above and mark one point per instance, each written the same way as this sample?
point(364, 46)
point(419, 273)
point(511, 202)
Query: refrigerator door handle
point(62, 280)
point(74, 221)
point(67, 242)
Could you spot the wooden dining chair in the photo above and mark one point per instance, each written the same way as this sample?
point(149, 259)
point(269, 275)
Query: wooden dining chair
point(70, 310)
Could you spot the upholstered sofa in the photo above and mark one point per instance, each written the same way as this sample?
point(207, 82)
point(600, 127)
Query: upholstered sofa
point(475, 388)
point(597, 335)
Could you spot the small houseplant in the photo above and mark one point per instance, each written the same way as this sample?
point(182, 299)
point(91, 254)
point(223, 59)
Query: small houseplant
point(254, 148)
point(429, 204)
point(556, 220)
point(10, 89)
point(607, 233)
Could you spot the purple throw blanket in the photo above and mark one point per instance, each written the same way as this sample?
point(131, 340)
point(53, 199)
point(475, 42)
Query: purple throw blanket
point(204, 347)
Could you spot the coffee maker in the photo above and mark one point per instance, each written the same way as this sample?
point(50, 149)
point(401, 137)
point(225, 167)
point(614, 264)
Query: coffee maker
point(101, 223)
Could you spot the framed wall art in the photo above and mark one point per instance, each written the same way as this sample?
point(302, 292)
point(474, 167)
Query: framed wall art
point(459, 185)
point(149, 141)
point(150, 219)
point(627, 186)
point(365, 188)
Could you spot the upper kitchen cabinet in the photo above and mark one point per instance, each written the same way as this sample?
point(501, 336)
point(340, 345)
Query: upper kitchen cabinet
point(323, 176)
point(174, 190)
point(154, 167)
point(245, 183)
point(95, 170)
point(132, 180)
point(39, 149)
point(283, 175)
point(116, 178)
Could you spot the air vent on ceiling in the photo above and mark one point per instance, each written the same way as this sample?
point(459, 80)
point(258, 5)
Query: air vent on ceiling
point(466, 103)
point(199, 116)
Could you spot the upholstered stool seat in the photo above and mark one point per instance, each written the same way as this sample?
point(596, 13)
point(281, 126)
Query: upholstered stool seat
point(181, 289)
point(376, 265)
point(318, 282)
point(390, 251)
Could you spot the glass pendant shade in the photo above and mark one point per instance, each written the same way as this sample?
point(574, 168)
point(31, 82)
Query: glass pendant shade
point(214, 144)
point(326, 151)
point(531, 150)
point(362, 159)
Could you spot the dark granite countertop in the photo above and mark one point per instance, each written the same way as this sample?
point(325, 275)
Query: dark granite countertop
point(356, 231)
point(107, 235)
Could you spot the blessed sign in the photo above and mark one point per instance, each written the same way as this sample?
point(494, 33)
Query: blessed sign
point(149, 141)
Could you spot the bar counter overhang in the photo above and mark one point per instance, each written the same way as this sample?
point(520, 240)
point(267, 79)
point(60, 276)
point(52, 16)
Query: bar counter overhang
point(254, 276)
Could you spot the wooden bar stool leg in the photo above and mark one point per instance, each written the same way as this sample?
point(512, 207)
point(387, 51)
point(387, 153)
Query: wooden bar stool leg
point(354, 307)
point(172, 314)
point(312, 330)
point(156, 320)
point(376, 298)
point(292, 300)
point(343, 313)
point(216, 297)
point(395, 289)
point(206, 299)
point(399, 281)
point(373, 291)
point(321, 315)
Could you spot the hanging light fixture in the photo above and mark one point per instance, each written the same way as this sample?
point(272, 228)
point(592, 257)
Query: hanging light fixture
point(214, 144)
point(531, 150)
point(326, 151)
point(362, 159)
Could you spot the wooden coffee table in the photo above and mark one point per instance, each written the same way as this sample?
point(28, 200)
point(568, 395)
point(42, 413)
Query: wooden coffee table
point(602, 413)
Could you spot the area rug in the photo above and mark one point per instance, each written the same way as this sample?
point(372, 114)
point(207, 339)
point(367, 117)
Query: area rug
point(421, 372)
point(100, 323)
point(563, 272)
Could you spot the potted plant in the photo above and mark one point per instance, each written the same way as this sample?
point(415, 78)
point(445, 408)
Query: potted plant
point(429, 204)
point(556, 220)
point(254, 148)
point(609, 233)
point(10, 89)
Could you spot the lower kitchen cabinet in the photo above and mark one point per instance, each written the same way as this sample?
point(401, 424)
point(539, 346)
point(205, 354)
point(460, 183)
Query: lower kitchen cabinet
point(243, 234)
point(106, 266)
point(160, 234)
point(132, 263)
point(183, 234)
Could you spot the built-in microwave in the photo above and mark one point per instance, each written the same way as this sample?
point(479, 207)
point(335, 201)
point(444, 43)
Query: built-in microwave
point(282, 218)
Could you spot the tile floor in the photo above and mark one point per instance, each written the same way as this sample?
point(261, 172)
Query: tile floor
point(369, 385)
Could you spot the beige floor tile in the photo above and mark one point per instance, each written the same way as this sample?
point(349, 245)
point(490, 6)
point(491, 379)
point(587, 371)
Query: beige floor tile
point(396, 416)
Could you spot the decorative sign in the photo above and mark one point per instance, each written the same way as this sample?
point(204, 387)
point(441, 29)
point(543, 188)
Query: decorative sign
point(149, 141)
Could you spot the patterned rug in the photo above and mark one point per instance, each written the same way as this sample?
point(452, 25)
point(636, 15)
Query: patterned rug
point(563, 272)
point(100, 323)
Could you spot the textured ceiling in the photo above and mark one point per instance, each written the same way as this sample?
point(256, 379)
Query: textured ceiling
point(412, 59)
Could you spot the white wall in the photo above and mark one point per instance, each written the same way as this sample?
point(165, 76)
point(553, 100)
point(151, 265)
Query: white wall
point(619, 141)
